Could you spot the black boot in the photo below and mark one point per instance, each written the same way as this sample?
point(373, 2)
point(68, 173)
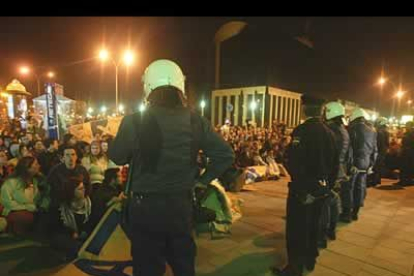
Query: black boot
point(322, 243)
point(310, 265)
point(331, 234)
point(355, 214)
point(287, 271)
point(345, 216)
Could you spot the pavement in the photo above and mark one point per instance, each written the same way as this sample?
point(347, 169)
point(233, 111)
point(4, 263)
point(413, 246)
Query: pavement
point(380, 243)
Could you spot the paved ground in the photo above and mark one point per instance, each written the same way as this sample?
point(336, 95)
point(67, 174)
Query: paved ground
point(380, 243)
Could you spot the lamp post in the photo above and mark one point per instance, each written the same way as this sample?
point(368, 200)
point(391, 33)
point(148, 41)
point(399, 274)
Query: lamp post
point(25, 70)
point(202, 105)
point(128, 59)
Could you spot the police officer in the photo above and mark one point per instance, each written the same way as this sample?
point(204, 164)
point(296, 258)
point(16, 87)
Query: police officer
point(335, 120)
point(383, 143)
point(364, 146)
point(407, 156)
point(161, 145)
point(312, 163)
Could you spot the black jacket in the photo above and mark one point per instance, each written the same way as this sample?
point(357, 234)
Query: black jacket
point(383, 140)
point(162, 144)
point(312, 155)
point(364, 144)
point(343, 145)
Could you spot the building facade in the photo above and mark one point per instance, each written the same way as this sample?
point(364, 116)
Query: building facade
point(259, 104)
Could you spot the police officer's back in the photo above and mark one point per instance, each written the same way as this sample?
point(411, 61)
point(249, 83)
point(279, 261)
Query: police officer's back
point(161, 145)
point(407, 156)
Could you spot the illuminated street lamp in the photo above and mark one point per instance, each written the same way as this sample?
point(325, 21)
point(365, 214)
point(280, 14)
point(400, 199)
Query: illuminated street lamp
point(202, 105)
point(127, 58)
point(103, 109)
point(50, 75)
point(142, 107)
point(399, 94)
point(121, 108)
point(25, 70)
point(90, 110)
point(382, 81)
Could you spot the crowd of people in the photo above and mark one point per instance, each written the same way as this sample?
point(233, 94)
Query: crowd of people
point(258, 146)
point(55, 189)
point(64, 187)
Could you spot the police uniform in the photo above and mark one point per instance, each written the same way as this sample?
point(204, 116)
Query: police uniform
point(161, 145)
point(383, 143)
point(407, 157)
point(364, 146)
point(330, 211)
point(312, 163)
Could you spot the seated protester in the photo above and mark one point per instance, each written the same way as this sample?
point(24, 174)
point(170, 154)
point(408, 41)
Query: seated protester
point(96, 177)
point(273, 167)
point(70, 221)
point(62, 172)
point(84, 147)
point(3, 146)
point(244, 159)
point(257, 159)
point(5, 169)
point(38, 148)
point(49, 158)
point(22, 152)
point(107, 193)
point(96, 158)
point(104, 147)
point(20, 195)
point(69, 140)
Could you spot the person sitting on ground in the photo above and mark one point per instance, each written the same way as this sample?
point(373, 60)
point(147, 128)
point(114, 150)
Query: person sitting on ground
point(108, 193)
point(38, 148)
point(96, 159)
point(5, 169)
point(20, 195)
point(23, 151)
point(62, 172)
point(273, 167)
point(70, 221)
point(49, 158)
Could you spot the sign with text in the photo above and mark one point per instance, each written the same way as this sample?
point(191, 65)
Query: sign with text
point(52, 116)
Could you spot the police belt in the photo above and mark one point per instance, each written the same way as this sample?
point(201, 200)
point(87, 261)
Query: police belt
point(319, 191)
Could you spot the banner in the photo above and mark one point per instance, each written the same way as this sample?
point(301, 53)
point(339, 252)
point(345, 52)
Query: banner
point(51, 107)
point(88, 131)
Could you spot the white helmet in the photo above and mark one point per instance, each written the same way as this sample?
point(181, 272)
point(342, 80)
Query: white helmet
point(358, 113)
point(382, 121)
point(163, 72)
point(333, 110)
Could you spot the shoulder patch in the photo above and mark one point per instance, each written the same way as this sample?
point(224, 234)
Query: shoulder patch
point(296, 140)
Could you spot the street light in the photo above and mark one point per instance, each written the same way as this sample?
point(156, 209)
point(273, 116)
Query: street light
point(381, 81)
point(142, 107)
point(202, 105)
point(25, 70)
point(128, 59)
point(103, 109)
point(121, 108)
point(399, 94)
point(50, 75)
point(90, 110)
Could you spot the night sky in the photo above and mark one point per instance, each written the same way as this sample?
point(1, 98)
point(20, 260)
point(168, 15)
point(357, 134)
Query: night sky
point(345, 62)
